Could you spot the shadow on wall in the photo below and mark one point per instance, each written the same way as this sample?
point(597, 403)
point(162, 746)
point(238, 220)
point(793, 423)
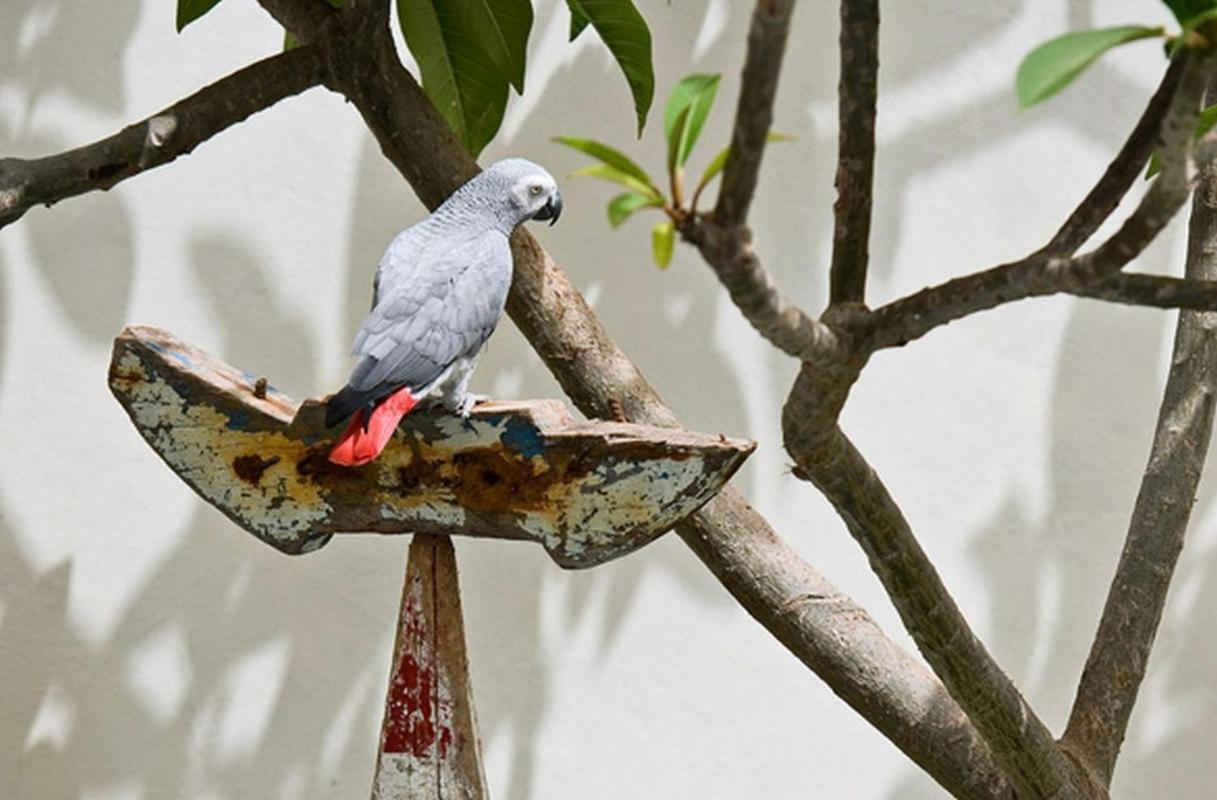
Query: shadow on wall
point(164, 707)
point(38, 33)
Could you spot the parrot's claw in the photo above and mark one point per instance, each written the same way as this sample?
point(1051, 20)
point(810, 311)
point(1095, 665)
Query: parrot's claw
point(464, 407)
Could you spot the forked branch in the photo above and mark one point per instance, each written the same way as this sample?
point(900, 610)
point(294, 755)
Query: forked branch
point(1017, 739)
point(1120, 652)
point(1051, 270)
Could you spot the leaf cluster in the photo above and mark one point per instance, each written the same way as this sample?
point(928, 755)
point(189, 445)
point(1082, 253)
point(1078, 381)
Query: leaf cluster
point(469, 52)
point(685, 115)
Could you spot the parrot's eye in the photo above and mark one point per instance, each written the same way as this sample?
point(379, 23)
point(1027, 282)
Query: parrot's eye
point(534, 190)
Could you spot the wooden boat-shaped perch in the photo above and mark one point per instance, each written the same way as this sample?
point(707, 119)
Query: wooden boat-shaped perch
point(587, 492)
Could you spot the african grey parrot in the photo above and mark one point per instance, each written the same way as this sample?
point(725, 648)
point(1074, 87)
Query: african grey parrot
point(438, 293)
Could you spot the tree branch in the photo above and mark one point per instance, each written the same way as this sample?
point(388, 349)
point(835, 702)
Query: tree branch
point(722, 237)
point(1120, 652)
point(857, 93)
point(157, 140)
point(1159, 291)
point(1123, 171)
point(754, 113)
point(729, 253)
point(823, 628)
point(1017, 739)
point(1049, 270)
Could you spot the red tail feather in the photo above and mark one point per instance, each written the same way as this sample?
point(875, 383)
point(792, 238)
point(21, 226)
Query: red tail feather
point(359, 446)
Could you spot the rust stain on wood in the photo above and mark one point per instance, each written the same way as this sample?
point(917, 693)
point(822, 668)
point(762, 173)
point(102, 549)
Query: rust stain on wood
point(586, 491)
point(249, 468)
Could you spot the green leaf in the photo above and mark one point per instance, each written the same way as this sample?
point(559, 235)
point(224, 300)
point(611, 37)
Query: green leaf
point(500, 28)
point(720, 160)
point(1204, 123)
point(1186, 11)
point(290, 42)
point(578, 19)
point(625, 33)
point(676, 138)
point(609, 155)
point(623, 205)
point(663, 239)
point(190, 10)
point(463, 82)
point(1054, 64)
point(606, 173)
point(690, 101)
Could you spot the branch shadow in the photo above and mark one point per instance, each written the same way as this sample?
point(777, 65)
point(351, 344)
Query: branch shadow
point(233, 671)
point(36, 35)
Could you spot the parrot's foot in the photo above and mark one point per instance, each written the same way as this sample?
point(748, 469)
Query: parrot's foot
point(463, 406)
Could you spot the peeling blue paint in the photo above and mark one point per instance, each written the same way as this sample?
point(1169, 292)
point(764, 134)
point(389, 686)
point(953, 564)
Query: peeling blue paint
point(523, 438)
point(176, 355)
point(237, 420)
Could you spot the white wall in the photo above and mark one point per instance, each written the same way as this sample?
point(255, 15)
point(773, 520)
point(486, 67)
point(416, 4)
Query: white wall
point(150, 649)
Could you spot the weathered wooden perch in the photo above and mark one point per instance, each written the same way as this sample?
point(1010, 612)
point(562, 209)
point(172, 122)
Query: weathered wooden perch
point(587, 492)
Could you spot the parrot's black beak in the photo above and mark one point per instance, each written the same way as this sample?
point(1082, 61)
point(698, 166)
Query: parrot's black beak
point(551, 210)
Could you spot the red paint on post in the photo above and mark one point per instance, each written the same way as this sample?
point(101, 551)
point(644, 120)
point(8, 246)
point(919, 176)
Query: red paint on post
point(414, 697)
point(429, 747)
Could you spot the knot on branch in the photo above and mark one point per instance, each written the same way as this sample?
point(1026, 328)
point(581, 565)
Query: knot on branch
point(160, 128)
point(10, 199)
point(719, 241)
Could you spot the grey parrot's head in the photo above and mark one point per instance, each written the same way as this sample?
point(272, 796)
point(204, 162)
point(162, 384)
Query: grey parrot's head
point(529, 191)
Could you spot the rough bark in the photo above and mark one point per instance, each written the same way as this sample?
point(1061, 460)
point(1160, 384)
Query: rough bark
point(857, 96)
point(1156, 291)
point(1120, 653)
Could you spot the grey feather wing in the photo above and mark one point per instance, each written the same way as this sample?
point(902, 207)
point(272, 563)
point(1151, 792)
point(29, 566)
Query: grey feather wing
point(432, 312)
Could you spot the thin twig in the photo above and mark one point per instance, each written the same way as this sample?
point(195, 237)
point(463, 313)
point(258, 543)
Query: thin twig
point(754, 113)
point(159, 139)
point(857, 93)
point(1122, 172)
point(1048, 271)
point(1120, 652)
point(723, 238)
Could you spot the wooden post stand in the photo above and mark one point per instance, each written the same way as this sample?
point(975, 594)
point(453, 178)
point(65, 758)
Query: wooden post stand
point(429, 746)
point(588, 492)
